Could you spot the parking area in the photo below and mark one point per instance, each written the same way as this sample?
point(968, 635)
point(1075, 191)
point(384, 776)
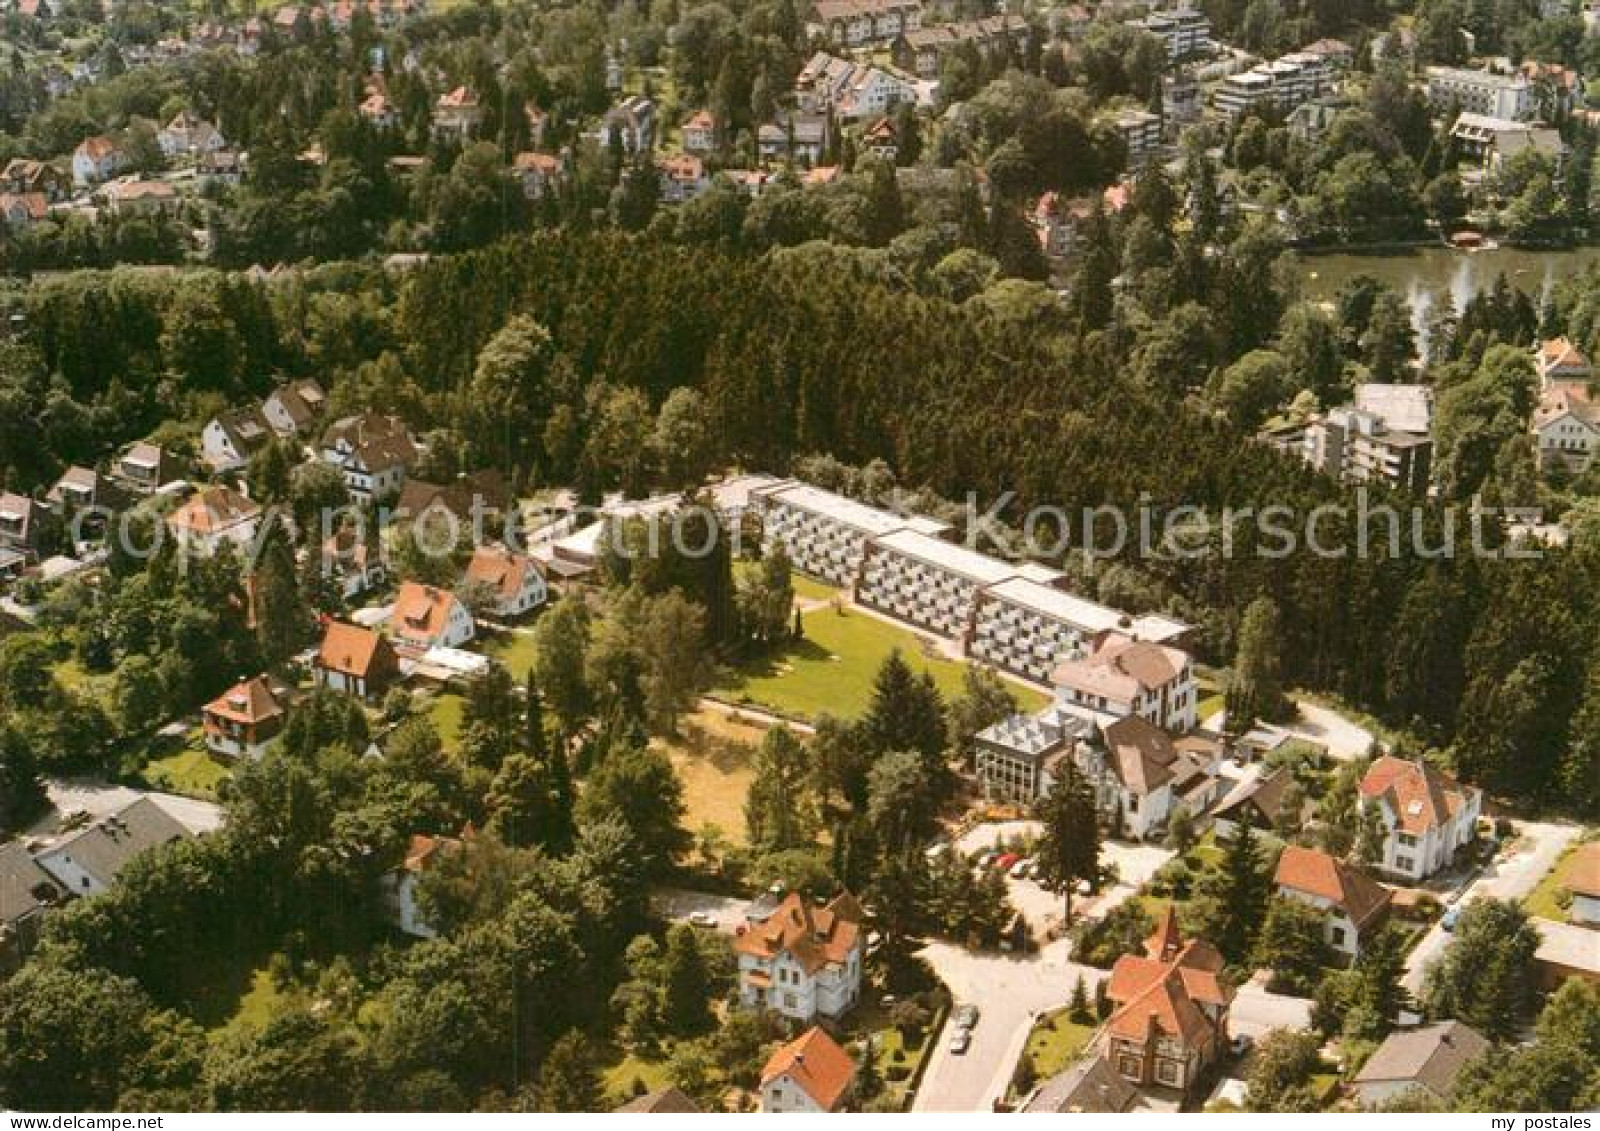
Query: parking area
point(725, 912)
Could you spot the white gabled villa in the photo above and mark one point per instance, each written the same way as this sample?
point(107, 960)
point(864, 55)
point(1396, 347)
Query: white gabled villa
point(800, 959)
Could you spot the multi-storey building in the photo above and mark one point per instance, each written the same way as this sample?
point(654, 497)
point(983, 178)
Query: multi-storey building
point(1186, 31)
point(922, 50)
point(1017, 759)
point(1566, 428)
point(1124, 676)
point(1359, 446)
point(1427, 815)
point(1482, 92)
point(1026, 627)
point(1141, 134)
point(799, 959)
point(932, 583)
point(856, 23)
point(824, 534)
point(1170, 1021)
point(1283, 83)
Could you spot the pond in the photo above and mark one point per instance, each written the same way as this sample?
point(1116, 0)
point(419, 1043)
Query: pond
point(1420, 274)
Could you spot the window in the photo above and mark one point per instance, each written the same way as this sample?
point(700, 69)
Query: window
point(1404, 863)
point(1407, 840)
point(1338, 936)
point(1131, 1067)
point(788, 1001)
point(1168, 1073)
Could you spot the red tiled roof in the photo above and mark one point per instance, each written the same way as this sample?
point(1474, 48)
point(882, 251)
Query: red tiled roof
point(816, 936)
point(352, 650)
point(1316, 873)
point(1421, 796)
point(816, 1064)
point(250, 701)
point(213, 510)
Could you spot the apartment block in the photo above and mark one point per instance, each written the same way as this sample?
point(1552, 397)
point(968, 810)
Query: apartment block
point(1185, 31)
point(1482, 92)
point(824, 534)
point(931, 583)
point(1385, 435)
point(1285, 83)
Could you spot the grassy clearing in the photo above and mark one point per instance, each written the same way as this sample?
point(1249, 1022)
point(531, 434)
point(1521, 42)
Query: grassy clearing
point(620, 1077)
point(831, 670)
point(445, 711)
point(1547, 899)
point(260, 1003)
point(713, 755)
point(192, 771)
point(1056, 1042)
point(515, 651)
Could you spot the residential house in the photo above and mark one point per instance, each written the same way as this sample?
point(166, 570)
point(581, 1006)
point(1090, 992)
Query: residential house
point(800, 137)
point(1494, 141)
point(1169, 1019)
point(189, 135)
point(378, 112)
point(922, 51)
point(1122, 675)
point(881, 140)
point(466, 501)
point(539, 173)
point(1428, 1059)
point(400, 885)
point(355, 660)
point(631, 125)
point(220, 167)
point(87, 862)
point(213, 516)
point(857, 23)
point(1560, 363)
point(1427, 815)
point(372, 450)
point(853, 92)
point(293, 407)
point(96, 160)
point(682, 176)
point(663, 1101)
point(351, 563)
point(1353, 904)
point(23, 177)
point(1583, 881)
point(145, 468)
point(1258, 801)
point(700, 133)
point(1566, 428)
point(245, 719)
point(19, 523)
point(799, 959)
point(1139, 775)
point(1089, 1087)
point(514, 581)
point(27, 891)
point(229, 440)
point(810, 1075)
point(135, 198)
point(426, 617)
point(20, 210)
point(80, 488)
point(457, 115)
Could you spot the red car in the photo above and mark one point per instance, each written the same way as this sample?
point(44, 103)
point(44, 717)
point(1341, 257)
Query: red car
point(1004, 863)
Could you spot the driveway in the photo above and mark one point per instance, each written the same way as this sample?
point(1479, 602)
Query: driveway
point(1010, 993)
point(1255, 1012)
point(1344, 739)
point(98, 798)
point(677, 904)
point(1510, 876)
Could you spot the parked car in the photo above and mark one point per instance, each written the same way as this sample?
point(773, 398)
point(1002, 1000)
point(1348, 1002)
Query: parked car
point(1450, 918)
point(966, 1016)
point(702, 919)
point(960, 1041)
point(1241, 1044)
point(1005, 862)
point(1020, 869)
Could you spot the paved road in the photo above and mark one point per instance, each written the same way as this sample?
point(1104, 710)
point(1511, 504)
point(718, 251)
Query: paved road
point(1011, 992)
point(98, 798)
point(1344, 738)
point(677, 904)
point(1508, 877)
point(1255, 1012)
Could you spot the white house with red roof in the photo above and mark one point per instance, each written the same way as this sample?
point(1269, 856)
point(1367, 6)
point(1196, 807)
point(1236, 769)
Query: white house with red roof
point(400, 886)
point(1427, 815)
point(802, 959)
point(1559, 362)
point(245, 719)
point(428, 617)
point(810, 1075)
point(1354, 904)
point(514, 582)
point(213, 516)
point(1125, 676)
point(1170, 1016)
point(355, 660)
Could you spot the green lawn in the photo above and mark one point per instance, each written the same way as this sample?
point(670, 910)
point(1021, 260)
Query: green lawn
point(1056, 1042)
point(189, 768)
point(712, 754)
point(831, 670)
point(515, 651)
point(1544, 901)
point(620, 1077)
point(445, 711)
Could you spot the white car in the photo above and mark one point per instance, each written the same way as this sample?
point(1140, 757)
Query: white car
point(960, 1040)
point(1020, 869)
point(702, 919)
